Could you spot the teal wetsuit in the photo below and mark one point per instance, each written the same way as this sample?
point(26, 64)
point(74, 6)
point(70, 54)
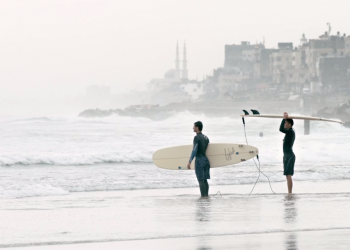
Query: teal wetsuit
point(288, 154)
point(202, 165)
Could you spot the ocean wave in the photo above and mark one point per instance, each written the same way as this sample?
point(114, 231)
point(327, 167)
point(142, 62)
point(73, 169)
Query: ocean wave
point(36, 119)
point(115, 118)
point(66, 159)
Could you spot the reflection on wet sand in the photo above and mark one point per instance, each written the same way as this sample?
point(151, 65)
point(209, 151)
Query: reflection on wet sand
point(203, 210)
point(290, 218)
point(203, 218)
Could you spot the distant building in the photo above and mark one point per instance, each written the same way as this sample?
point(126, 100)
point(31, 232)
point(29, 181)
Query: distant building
point(313, 66)
point(285, 46)
point(242, 62)
point(262, 64)
point(172, 76)
point(280, 61)
point(347, 46)
point(334, 73)
point(288, 67)
point(230, 80)
point(325, 46)
point(193, 89)
point(236, 54)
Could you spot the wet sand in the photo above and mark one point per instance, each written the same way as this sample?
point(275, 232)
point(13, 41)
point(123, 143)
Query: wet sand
point(326, 239)
point(316, 216)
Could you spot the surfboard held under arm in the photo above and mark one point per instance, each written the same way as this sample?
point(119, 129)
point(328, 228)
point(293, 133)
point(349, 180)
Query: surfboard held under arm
point(297, 117)
point(219, 155)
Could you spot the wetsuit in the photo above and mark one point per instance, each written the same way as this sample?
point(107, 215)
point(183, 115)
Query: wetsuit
point(288, 154)
point(202, 165)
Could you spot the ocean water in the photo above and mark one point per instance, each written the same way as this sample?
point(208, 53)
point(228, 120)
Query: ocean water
point(72, 179)
point(57, 155)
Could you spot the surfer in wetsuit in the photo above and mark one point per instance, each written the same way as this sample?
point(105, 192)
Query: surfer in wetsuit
point(202, 165)
point(288, 154)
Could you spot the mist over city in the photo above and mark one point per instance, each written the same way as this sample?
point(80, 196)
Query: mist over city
point(53, 52)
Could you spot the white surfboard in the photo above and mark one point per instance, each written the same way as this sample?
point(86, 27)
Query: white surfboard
point(219, 155)
point(300, 117)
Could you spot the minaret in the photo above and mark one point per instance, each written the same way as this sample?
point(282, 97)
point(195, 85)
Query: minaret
point(177, 63)
point(184, 66)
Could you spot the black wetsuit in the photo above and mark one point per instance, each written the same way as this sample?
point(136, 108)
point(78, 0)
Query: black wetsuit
point(202, 165)
point(288, 154)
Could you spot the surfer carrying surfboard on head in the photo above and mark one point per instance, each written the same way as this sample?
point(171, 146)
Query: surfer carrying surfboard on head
point(202, 165)
point(288, 154)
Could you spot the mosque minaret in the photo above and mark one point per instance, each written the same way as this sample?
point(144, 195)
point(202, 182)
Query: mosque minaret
point(184, 77)
point(177, 63)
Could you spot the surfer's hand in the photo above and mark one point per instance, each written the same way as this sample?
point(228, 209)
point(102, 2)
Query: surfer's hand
point(189, 165)
point(285, 115)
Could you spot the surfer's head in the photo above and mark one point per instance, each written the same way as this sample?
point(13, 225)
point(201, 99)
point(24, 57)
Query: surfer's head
point(288, 123)
point(197, 127)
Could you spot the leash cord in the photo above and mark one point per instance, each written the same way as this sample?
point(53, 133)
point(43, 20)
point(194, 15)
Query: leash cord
point(256, 165)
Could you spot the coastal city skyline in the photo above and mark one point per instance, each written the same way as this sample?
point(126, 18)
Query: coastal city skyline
point(313, 65)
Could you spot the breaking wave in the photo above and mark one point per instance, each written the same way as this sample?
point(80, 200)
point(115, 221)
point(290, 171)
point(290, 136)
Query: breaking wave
point(76, 159)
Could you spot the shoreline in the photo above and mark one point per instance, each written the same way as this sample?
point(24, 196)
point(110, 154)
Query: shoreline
point(261, 188)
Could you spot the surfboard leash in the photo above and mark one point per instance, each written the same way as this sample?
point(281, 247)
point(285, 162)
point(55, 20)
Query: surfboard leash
point(256, 165)
point(218, 192)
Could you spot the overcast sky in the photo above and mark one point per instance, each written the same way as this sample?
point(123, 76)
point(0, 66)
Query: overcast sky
point(57, 48)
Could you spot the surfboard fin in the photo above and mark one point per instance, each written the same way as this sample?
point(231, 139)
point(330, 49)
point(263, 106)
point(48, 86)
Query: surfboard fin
point(255, 112)
point(245, 112)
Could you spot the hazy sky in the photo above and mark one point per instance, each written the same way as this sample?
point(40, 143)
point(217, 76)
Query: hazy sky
point(57, 48)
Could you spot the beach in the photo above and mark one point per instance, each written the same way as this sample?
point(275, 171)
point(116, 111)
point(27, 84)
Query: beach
point(91, 183)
